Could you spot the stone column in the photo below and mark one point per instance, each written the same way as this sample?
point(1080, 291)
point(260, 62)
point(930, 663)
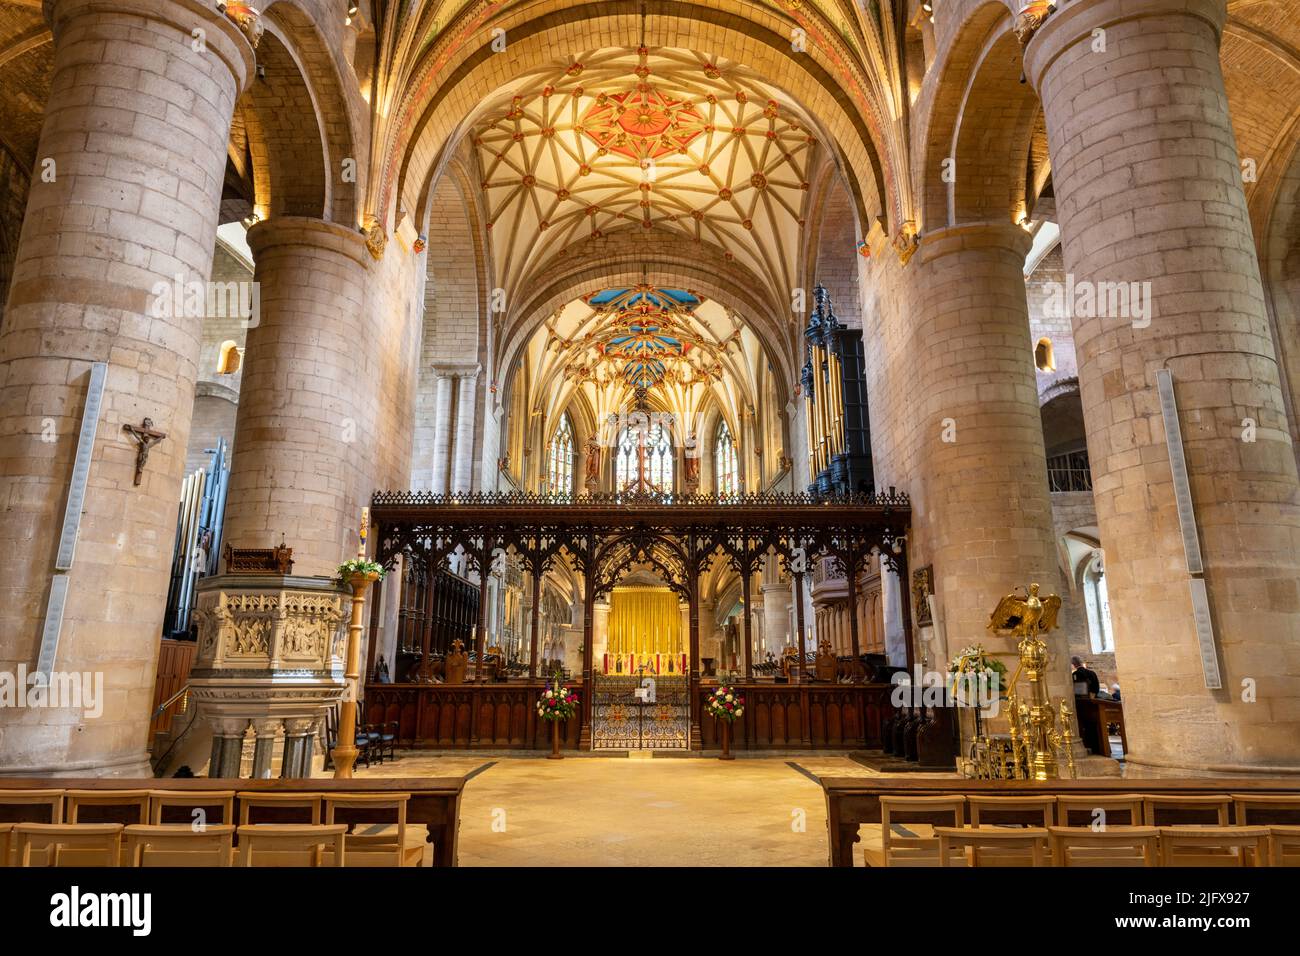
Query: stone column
point(776, 615)
point(463, 472)
point(136, 129)
point(710, 646)
point(986, 514)
point(441, 433)
point(305, 429)
point(266, 729)
point(600, 635)
point(1148, 190)
point(227, 747)
point(298, 736)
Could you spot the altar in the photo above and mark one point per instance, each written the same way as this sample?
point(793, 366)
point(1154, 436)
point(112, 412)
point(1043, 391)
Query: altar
point(644, 632)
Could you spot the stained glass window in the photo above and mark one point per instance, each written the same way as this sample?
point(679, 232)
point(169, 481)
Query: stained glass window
point(724, 462)
point(559, 460)
point(645, 458)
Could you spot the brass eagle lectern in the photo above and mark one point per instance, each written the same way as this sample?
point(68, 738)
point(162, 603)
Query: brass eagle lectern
point(1040, 733)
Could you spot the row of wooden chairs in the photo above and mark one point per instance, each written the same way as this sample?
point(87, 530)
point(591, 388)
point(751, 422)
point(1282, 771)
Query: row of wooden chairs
point(173, 844)
point(205, 813)
point(1120, 829)
point(1130, 809)
point(1120, 846)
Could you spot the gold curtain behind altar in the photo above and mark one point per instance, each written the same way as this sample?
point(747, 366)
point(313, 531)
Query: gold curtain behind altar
point(644, 622)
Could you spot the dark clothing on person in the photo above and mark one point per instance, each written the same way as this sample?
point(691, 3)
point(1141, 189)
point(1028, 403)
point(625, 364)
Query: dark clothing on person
point(1082, 674)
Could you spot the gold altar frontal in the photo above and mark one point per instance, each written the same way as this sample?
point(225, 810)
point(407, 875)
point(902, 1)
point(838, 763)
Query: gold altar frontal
point(645, 631)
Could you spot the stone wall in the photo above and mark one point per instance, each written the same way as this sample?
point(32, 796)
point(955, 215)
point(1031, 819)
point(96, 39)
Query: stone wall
point(13, 199)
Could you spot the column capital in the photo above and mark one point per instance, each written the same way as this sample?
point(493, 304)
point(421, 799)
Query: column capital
point(937, 243)
point(267, 726)
point(1075, 20)
point(221, 36)
point(300, 726)
point(457, 370)
point(284, 231)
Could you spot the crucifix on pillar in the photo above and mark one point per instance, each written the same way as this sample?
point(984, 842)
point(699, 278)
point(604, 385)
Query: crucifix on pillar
point(146, 436)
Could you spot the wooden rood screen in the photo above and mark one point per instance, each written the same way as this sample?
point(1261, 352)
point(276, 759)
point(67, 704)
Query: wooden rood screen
point(601, 538)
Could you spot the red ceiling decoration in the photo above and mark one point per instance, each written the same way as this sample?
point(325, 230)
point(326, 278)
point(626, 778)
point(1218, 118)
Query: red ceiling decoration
point(642, 123)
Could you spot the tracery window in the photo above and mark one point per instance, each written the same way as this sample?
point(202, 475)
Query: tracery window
point(725, 466)
point(645, 458)
point(559, 459)
point(1097, 604)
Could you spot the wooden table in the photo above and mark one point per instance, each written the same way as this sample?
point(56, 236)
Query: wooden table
point(435, 801)
point(853, 801)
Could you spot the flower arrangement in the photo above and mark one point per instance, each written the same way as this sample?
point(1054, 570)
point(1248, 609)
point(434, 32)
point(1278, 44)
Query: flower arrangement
point(557, 702)
point(973, 663)
point(725, 703)
point(360, 566)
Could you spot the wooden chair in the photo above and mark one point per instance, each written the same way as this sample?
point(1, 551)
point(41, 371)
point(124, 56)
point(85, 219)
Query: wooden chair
point(1128, 807)
point(1284, 846)
point(6, 831)
point(28, 806)
point(1012, 811)
point(1213, 846)
point(17, 806)
point(385, 848)
point(179, 844)
point(274, 844)
point(187, 801)
point(1114, 846)
point(382, 735)
point(1155, 806)
point(994, 845)
point(105, 806)
point(333, 716)
point(91, 842)
point(916, 850)
point(1266, 809)
point(250, 800)
point(132, 805)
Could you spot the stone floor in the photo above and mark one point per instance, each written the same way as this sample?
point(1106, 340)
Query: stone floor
point(615, 811)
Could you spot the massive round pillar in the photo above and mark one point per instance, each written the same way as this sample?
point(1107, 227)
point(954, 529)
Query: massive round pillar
point(304, 445)
point(121, 221)
point(984, 514)
point(1148, 190)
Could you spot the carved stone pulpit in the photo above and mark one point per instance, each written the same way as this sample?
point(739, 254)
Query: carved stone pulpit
point(270, 653)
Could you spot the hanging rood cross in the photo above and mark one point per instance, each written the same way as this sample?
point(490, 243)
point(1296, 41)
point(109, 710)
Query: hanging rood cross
point(146, 436)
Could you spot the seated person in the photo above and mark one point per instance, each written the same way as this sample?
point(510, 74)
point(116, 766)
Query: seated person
point(1114, 691)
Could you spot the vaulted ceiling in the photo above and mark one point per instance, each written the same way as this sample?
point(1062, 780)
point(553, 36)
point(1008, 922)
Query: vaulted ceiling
point(638, 139)
point(686, 348)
